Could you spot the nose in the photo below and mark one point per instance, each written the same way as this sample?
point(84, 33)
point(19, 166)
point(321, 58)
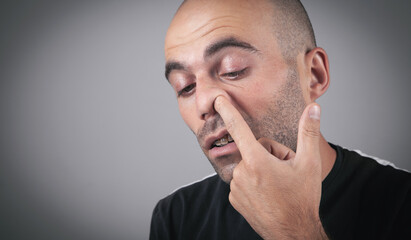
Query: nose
point(206, 93)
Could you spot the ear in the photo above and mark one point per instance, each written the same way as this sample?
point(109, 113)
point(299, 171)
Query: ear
point(316, 61)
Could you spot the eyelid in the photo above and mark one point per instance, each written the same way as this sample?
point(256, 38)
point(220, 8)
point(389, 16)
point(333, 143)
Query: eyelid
point(181, 80)
point(239, 73)
point(182, 93)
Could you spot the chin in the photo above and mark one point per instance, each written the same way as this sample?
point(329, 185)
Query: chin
point(224, 165)
point(226, 172)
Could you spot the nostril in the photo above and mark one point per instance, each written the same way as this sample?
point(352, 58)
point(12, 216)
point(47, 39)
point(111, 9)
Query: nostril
point(205, 95)
point(204, 116)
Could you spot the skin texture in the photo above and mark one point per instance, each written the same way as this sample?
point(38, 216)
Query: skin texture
point(276, 190)
point(263, 101)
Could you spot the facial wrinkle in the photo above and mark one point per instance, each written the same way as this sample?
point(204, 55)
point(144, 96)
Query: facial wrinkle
point(211, 21)
point(206, 29)
point(196, 38)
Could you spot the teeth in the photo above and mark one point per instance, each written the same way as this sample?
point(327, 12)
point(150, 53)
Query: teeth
point(224, 141)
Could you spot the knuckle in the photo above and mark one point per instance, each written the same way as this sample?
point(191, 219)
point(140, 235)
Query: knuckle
point(311, 132)
point(263, 140)
point(266, 143)
point(230, 124)
point(236, 174)
point(232, 199)
point(251, 165)
point(287, 155)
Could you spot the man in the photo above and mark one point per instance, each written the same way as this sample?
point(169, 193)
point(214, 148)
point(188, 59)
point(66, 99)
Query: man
point(246, 75)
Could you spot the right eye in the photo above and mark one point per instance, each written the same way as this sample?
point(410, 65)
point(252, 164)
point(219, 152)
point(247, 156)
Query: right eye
point(187, 90)
point(234, 75)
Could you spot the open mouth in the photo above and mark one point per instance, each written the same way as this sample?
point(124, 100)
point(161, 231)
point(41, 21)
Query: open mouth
point(223, 141)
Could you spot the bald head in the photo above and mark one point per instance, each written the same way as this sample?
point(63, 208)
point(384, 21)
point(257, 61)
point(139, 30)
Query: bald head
point(290, 24)
point(292, 27)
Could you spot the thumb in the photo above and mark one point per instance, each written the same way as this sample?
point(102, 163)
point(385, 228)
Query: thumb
point(308, 143)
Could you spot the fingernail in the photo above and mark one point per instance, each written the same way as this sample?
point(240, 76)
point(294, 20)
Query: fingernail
point(216, 101)
point(314, 112)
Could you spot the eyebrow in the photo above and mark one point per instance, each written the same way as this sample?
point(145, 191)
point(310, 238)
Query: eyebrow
point(172, 65)
point(212, 50)
point(225, 43)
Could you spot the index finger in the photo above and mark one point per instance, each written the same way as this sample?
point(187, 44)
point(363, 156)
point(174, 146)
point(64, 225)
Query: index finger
point(236, 126)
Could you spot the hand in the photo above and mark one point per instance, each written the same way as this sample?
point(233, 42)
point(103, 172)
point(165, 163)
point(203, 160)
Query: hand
point(276, 190)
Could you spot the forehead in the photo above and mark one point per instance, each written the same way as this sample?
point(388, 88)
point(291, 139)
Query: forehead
point(198, 23)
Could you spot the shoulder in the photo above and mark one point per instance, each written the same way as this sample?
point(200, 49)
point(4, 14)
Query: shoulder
point(361, 165)
point(189, 194)
point(367, 195)
point(177, 213)
point(376, 183)
point(366, 179)
point(385, 192)
point(354, 169)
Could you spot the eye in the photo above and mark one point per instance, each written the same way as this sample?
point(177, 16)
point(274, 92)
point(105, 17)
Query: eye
point(234, 75)
point(187, 90)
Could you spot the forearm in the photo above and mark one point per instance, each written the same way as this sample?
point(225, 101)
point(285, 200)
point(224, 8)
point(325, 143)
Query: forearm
point(297, 228)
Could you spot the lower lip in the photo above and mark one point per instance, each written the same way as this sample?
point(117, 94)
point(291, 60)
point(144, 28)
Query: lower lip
point(222, 151)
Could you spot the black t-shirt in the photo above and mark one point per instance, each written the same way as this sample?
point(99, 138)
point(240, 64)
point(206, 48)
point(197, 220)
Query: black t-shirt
point(361, 199)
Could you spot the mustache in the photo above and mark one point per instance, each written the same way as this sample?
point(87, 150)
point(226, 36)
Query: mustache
point(210, 126)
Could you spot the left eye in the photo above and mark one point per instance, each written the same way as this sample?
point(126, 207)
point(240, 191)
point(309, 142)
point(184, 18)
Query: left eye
point(234, 75)
point(187, 90)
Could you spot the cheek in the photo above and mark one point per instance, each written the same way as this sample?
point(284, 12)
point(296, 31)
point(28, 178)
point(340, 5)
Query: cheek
point(261, 93)
point(254, 100)
point(188, 113)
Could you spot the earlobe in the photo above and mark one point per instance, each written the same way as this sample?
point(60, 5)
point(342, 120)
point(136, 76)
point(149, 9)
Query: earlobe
point(317, 62)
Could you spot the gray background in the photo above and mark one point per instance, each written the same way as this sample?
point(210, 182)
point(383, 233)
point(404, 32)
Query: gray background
point(90, 133)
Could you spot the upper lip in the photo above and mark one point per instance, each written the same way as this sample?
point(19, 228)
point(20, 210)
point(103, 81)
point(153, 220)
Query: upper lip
point(211, 139)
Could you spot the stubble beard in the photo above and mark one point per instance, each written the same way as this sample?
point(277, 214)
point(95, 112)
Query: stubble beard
point(280, 123)
point(283, 116)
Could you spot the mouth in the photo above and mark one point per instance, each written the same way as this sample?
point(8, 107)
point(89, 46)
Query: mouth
point(221, 145)
point(226, 139)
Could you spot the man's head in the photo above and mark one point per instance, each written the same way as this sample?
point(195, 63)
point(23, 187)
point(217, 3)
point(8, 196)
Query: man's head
point(260, 55)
